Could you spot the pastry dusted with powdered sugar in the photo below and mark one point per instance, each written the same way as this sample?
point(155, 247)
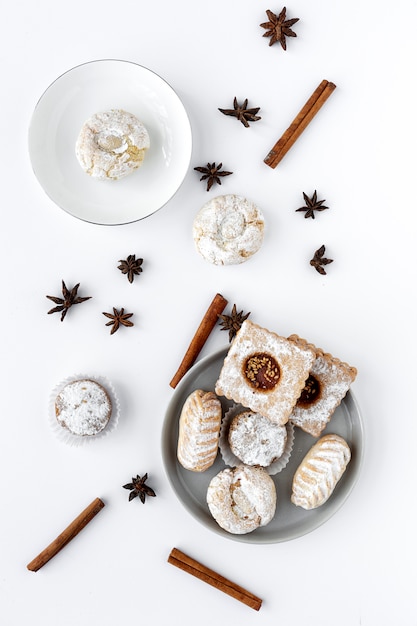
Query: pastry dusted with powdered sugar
point(328, 382)
point(255, 440)
point(264, 372)
point(199, 428)
point(228, 230)
point(241, 499)
point(83, 407)
point(112, 144)
point(320, 471)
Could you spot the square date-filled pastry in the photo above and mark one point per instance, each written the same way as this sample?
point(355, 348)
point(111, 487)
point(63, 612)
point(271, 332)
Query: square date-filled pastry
point(264, 372)
point(328, 382)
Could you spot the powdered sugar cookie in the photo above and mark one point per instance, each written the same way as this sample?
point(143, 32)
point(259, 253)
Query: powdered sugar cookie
point(112, 144)
point(228, 230)
point(327, 384)
point(242, 499)
point(199, 427)
point(264, 372)
point(83, 408)
point(319, 472)
point(271, 458)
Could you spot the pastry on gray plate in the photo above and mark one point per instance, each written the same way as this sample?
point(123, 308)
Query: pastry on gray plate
point(319, 472)
point(242, 498)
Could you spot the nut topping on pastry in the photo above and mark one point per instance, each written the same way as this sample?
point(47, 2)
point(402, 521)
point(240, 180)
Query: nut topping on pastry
point(311, 392)
point(262, 371)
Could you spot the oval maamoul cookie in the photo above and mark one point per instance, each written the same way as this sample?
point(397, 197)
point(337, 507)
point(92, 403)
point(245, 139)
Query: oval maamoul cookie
point(228, 230)
point(242, 498)
point(199, 428)
point(319, 472)
point(112, 144)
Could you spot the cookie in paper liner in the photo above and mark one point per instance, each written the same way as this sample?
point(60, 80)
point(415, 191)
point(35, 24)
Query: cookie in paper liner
point(272, 453)
point(83, 408)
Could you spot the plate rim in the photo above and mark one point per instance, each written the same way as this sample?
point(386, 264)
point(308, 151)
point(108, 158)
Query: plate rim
point(214, 527)
point(73, 69)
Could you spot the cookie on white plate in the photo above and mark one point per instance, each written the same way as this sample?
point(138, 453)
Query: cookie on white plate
point(112, 144)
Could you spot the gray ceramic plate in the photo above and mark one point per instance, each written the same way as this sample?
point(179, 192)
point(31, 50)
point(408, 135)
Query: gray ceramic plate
point(290, 521)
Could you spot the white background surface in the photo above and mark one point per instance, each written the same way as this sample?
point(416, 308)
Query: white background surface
point(359, 153)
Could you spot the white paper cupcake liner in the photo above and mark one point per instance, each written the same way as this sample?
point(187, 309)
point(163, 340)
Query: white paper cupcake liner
point(232, 461)
point(63, 433)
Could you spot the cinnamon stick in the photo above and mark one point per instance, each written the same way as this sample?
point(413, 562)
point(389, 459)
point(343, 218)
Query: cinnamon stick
point(65, 537)
point(189, 565)
point(300, 123)
point(200, 337)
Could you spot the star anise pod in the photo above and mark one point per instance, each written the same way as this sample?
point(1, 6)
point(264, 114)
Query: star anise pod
point(138, 488)
point(233, 322)
point(117, 319)
point(278, 28)
point(319, 260)
point(242, 113)
point(312, 204)
point(211, 173)
point(69, 298)
point(130, 266)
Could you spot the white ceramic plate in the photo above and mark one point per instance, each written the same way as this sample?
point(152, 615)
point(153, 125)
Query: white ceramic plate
point(98, 86)
point(290, 521)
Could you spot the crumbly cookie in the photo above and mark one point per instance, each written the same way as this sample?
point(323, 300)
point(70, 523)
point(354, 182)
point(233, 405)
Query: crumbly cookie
point(328, 382)
point(242, 499)
point(83, 407)
point(112, 144)
point(255, 440)
point(228, 230)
